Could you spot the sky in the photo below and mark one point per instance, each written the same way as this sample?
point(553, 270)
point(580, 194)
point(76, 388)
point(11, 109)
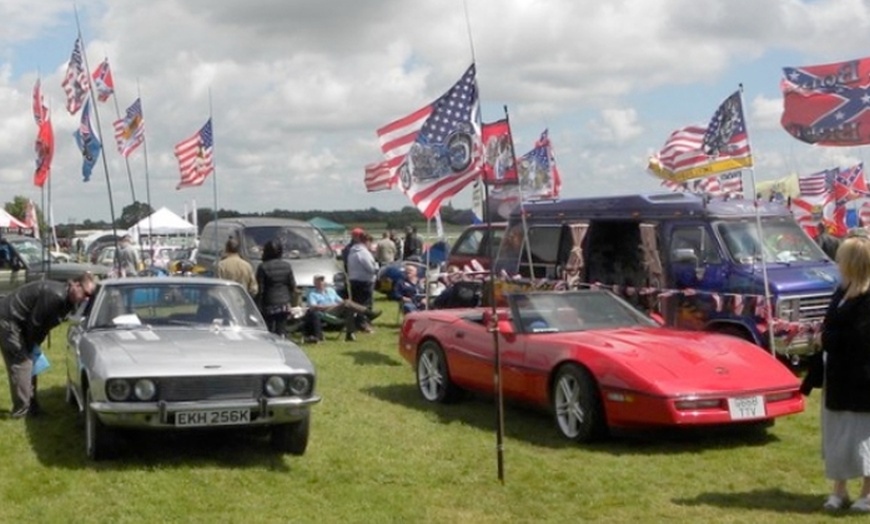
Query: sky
point(296, 88)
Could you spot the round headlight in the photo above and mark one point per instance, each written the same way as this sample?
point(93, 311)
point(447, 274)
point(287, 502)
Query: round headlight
point(117, 389)
point(145, 389)
point(275, 386)
point(300, 385)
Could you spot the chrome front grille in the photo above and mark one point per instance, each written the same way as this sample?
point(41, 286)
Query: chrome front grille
point(181, 389)
point(804, 308)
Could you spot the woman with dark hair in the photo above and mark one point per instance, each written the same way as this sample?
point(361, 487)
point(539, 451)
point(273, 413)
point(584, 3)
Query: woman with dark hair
point(277, 286)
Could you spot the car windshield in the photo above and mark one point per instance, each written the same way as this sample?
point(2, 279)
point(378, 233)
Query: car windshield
point(296, 241)
point(171, 304)
point(780, 240)
point(30, 250)
point(550, 312)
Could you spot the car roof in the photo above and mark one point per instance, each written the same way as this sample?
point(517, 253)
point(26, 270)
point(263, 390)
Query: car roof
point(261, 221)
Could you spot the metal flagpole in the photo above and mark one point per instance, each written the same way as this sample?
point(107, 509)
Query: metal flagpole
point(526, 243)
point(102, 148)
point(214, 169)
point(147, 182)
point(767, 303)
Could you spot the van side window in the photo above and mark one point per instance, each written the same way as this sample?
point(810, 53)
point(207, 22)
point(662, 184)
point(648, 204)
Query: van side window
point(470, 243)
point(696, 241)
point(544, 245)
point(614, 253)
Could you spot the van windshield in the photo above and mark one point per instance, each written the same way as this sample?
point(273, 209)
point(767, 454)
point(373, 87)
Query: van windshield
point(781, 241)
point(297, 241)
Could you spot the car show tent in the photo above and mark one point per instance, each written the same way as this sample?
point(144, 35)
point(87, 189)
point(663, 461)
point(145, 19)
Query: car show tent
point(327, 226)
point(162, 222)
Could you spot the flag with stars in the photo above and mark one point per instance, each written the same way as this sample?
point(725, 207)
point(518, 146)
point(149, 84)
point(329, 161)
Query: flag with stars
point(699, 152)
point(130, 130)
point(828, 104)
point(195, 157)
point(436, 150)
point(76, 82)
point(537, 171)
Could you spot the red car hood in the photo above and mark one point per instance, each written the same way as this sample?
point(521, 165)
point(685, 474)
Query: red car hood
point(677, 362)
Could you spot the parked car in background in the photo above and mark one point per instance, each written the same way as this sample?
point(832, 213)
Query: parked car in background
point(475, 246)
point(305, 247)
point(180, 353)
point(597, 364)
point(25, 259)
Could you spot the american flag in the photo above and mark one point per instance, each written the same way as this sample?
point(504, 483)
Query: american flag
point(40, 112)
point(537, 171)
point(195, 157)
point(699, 152)
point(88, 142)
point(817, 184)
point(104, 85)
point(75, 82)
point(130, 130)
point(379, 177)
point(428, 128)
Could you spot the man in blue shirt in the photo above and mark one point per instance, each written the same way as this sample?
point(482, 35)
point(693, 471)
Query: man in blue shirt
point(323, 300)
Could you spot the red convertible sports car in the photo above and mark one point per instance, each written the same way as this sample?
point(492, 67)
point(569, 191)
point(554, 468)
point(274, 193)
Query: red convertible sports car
point(597, 364)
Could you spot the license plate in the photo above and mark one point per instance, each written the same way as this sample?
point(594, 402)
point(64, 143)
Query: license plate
point(746, 407)
point(215, 417)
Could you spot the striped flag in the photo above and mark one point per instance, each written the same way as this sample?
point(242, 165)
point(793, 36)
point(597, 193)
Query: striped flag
point(75, 82)
point(40, 112)
point(104, 85)
point(195, 157)
point(436, 150)
point(817, 184)
point(379, 177)
point(130, 130)
point(698, 152)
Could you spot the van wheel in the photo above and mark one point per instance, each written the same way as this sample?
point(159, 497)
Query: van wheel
point(734, 331)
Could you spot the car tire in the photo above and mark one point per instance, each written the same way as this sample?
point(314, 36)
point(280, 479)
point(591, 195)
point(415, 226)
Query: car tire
point(577, 407)
point(99, 440)
point(69, 396)
point(292, 438)
point(433, 374)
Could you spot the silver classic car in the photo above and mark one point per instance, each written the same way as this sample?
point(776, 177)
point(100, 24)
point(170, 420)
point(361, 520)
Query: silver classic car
point(176, 353)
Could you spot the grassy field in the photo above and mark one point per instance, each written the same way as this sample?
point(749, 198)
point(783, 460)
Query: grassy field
point(379, 453)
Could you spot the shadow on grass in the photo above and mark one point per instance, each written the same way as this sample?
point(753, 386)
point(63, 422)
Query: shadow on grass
point(58, 439)
point(372, 358)
point(773, 499)
point(537, 427)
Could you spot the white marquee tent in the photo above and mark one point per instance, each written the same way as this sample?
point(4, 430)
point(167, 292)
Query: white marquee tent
point(162, 222)
point(7, 220)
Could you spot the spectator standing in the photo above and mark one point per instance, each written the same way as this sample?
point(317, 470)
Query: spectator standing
point(385, 250)
point(361, 272)
point(413, 247)
point(128, 257)
point(27, 315)
point(276, 287)
point(842, 369)
point(233, 267)
point(826, 241)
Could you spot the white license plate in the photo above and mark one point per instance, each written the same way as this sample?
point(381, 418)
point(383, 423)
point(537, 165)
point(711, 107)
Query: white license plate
point(746, 407)
point(215, 417)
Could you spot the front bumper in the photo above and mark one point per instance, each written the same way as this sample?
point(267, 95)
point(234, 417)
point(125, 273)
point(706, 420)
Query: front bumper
point(161, 415)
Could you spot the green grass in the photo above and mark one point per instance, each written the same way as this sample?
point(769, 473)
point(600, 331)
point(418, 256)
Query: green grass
point(379, 453)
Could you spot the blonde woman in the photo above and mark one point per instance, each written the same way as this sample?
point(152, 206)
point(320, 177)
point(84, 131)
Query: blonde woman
point(842, 369)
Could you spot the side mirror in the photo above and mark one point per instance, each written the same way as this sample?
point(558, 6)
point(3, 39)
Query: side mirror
point(505, 327)
point(684, 255)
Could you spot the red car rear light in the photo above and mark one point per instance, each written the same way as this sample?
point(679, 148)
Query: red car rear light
point(779, 397)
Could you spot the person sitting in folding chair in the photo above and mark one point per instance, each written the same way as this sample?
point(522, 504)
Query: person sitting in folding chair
point(410, 290)
point(323, 300)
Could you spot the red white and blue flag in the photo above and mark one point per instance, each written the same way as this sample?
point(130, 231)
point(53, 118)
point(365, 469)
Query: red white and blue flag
point(75, 83)
point(818, 184)
point(828, 104)
point(436, 150)
point(698, 152)
point(850, 184)
point(498, 153)
point(537, 172)
point(40, 112)
point(104, 85)
point(130, 130)
point(195, 157)
point(88, 142)
point(379, 177)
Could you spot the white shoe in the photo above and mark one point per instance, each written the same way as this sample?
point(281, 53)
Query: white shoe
point(835, 502)
point(861, 505)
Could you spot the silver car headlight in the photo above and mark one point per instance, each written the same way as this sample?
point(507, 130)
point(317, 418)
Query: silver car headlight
point(144, 389)
point(118, 389)
point(275, 386)
point(300, 385)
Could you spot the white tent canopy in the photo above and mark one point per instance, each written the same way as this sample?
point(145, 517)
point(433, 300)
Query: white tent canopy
point(162, 222)
point(7, 220)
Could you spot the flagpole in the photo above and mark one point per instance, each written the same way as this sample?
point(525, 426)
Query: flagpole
point(767, 303)
point(526, 243)
point(214, 166)
point(147, 183)
point(102, 146)
point(129, 175)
